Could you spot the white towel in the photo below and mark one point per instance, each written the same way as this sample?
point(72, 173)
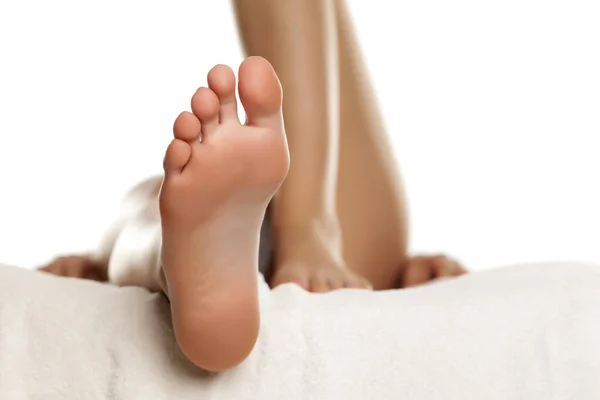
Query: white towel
point(526, 332)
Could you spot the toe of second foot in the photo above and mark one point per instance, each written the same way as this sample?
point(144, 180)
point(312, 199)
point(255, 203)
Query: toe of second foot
point(321, 280)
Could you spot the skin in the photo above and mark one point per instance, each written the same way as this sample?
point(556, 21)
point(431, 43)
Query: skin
point(343, 179)
point(308, 238)
point(219, 178)
point(342, 183)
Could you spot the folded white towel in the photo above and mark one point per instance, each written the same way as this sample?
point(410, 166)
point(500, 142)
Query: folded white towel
point(527, 332)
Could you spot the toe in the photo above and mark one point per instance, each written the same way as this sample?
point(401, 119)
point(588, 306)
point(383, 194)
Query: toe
point(444, 266)
point(335, 283)
point(456, 268)
point(319, 284)
point(459, 269)
point(177, 155)
point(187, 127)
point(291, 275)
point(205, 105)
point(301, 281)
point(221, 81)
point(359, 283)
point(417, 272)
point(260, 93)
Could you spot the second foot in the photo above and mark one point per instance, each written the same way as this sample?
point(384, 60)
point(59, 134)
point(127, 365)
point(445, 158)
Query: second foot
point(318, 278)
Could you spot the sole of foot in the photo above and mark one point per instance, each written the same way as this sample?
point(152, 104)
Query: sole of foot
point(219, 178)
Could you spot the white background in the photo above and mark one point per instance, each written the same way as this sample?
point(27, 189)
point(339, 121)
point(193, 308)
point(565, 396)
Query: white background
point(494, 110)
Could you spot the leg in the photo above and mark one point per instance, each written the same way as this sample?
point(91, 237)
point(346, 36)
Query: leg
point(370, 196)
point(371, 215)
point(219, 178)
point(370, 199)
point(306, 232)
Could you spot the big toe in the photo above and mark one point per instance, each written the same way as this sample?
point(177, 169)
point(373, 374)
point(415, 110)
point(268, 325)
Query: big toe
point(260, 93)
point(346, 279)
point(358, 282)
point(291, 275)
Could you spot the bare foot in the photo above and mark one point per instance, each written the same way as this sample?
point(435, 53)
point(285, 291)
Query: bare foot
point(219, 178)
point(318, 277)
point(312, 258)
point(424, 269)
point(77, 267)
